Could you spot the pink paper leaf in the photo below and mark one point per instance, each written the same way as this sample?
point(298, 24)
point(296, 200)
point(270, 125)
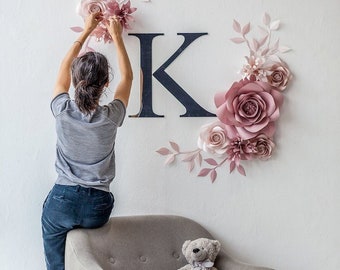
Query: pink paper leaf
point(265, 51)
point(241, 170)
point(211, 161)
point(255, 45)
point(237, 40)
point(170, 159)
point(199, 159)
point(263, 40)
point(204, 172)
point(275, 25)
point(213, 176)
point(191, 165)
point(174, 146)
point(232, 166)
point(164, 151)
point(266, 19)
point(237, 26)
point(77, 29)
point(189, 157)
point(246, 29)
point(284, 49)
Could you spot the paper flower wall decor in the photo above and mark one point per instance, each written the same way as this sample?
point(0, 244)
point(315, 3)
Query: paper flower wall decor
point(121, 9)
point(246, 113)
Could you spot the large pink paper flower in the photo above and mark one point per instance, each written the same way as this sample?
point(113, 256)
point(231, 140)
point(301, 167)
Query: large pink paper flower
point(251, 106)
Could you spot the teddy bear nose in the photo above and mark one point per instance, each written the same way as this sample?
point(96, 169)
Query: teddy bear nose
point(195, 250)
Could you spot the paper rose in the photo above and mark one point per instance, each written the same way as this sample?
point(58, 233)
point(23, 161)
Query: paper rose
point(247, 112)
point(279, 75)
point(251, 106)
point(213, 138)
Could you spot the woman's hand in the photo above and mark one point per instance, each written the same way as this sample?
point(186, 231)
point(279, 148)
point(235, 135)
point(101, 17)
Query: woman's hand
point(115, 28)
point(92, 21)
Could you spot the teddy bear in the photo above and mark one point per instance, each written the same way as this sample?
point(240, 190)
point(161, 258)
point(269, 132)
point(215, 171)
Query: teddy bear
point(200, 254)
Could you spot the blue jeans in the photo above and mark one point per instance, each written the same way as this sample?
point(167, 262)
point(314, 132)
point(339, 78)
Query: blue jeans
point(67, 208)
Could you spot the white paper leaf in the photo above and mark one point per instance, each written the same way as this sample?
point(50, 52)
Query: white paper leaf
point(263, 30)
point(237, 40)
point(275, 25)
point(237, 26)
point(266, 19)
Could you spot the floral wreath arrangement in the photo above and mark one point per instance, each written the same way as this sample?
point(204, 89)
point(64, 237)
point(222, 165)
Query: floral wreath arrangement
point(247, 112)
point(109, 8)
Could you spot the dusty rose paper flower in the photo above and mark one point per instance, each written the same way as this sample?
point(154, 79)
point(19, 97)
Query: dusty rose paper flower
point(251, 106)
point(124, 14)
point(213, 138)
point(279, 75)
point(263, 146)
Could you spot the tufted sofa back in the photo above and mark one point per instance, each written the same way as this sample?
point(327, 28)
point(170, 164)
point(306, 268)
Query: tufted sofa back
point(137, 243)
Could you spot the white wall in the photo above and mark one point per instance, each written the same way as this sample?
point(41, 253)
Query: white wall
point(284, 214)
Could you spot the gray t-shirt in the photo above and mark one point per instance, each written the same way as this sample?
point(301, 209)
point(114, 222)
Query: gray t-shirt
point(86, 144)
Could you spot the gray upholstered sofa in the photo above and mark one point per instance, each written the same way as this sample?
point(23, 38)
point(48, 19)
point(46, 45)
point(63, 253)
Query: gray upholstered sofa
point(139, 243)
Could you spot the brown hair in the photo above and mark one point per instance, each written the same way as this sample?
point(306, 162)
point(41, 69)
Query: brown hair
point(90, 73)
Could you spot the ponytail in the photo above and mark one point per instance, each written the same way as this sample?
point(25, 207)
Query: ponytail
point(89, 76)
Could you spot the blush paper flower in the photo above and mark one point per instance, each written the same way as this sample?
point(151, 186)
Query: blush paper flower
point(247, 112)
point(109, 8)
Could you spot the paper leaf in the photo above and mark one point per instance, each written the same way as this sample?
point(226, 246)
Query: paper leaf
point(174, 146)
point(170, 159)
point(264, 52)
point(199, 159)
point(77, 29)
point(189, 157)
point(191, 165)
point(255, 45)
point(237, 26)
point(204, 172)
point(284, 49)
point(246, 29)
point(241, 170)
point(232, 166)
point(213, 176)
point(263, 40)
point(164, 151)
point(211, 161)
point(275, 25)
point(237, 40)
point(266, 19)
point(263, 30)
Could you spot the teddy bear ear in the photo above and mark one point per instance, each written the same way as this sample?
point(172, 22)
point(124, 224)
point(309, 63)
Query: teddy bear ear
point(185, 245)
point(217, 245)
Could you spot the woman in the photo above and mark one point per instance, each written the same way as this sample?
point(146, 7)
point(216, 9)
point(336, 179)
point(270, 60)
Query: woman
point(86, 132)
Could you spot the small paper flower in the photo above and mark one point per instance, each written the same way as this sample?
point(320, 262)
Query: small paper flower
point(213, 138)
point(251, 106)
point(263, 146)
point(279, 75)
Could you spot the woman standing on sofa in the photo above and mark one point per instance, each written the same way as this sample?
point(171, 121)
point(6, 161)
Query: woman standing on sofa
point(85, 150)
